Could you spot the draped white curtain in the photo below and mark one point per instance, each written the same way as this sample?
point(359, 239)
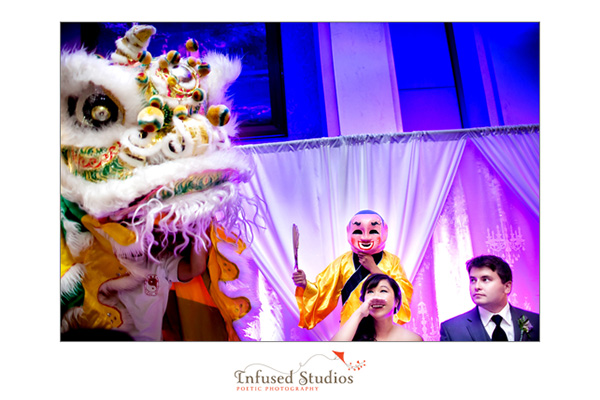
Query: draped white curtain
point(517, 159)
point(407, 178)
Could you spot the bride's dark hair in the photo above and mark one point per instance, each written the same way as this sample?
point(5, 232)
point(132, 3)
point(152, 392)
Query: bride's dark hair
point(366, 327)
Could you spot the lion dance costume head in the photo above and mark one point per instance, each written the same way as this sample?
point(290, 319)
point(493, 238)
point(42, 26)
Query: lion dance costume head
point(147, 169)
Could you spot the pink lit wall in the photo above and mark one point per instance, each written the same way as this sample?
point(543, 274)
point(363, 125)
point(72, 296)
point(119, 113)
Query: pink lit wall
point(361, 66)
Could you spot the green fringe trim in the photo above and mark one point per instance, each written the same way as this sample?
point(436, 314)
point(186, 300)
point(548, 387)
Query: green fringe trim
point(73, 298)
point(71, 212)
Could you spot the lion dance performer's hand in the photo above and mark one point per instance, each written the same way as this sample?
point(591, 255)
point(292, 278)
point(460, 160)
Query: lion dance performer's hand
point(299, 278)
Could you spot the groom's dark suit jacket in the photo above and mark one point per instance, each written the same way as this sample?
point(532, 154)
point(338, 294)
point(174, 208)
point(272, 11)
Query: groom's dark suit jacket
point(468, 327)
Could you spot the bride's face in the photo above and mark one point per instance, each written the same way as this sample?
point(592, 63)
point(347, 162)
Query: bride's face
point(382, 299)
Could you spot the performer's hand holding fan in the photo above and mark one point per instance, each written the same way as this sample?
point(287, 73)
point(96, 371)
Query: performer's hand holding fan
point(298, 276)
point(296, 242)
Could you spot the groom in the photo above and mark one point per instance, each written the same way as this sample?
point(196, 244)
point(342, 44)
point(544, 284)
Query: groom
point(494, 318)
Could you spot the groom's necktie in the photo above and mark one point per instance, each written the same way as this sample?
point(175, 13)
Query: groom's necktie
point(498, 335)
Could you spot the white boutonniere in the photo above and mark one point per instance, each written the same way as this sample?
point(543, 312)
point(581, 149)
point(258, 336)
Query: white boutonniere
point(525, 326)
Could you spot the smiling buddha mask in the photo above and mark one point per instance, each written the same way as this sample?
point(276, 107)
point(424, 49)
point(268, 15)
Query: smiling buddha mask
point(367, 232)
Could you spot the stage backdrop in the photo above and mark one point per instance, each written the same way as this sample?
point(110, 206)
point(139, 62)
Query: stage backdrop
point(446, 196)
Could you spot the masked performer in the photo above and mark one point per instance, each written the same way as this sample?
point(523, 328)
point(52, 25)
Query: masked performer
point(150, 192)
point(367, 233)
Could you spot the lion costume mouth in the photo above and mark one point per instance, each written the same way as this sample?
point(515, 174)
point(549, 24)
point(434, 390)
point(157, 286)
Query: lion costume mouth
point(194, 183)
point(166, 183)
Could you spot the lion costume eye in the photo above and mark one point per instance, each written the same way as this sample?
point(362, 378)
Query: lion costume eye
point(96, 108)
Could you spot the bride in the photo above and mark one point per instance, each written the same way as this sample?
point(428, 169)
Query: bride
point(374, 319)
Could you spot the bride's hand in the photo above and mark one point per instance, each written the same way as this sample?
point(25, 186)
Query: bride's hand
point(365, 307)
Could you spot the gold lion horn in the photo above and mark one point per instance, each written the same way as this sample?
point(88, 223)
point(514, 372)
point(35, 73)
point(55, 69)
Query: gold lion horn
point(132, 47)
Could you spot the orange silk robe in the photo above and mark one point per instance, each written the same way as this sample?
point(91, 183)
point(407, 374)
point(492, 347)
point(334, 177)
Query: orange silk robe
point(318, 299)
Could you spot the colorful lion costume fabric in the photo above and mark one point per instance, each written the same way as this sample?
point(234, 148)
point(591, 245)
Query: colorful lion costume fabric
point(147, 170)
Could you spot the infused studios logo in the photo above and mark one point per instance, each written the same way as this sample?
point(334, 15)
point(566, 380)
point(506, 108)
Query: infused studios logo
point(317, 372)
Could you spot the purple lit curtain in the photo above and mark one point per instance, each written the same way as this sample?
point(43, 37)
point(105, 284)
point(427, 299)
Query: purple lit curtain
point(436, 191)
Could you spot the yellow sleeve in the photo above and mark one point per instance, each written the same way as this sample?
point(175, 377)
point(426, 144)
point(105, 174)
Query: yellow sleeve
point(318, 299)
point(394, 269)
